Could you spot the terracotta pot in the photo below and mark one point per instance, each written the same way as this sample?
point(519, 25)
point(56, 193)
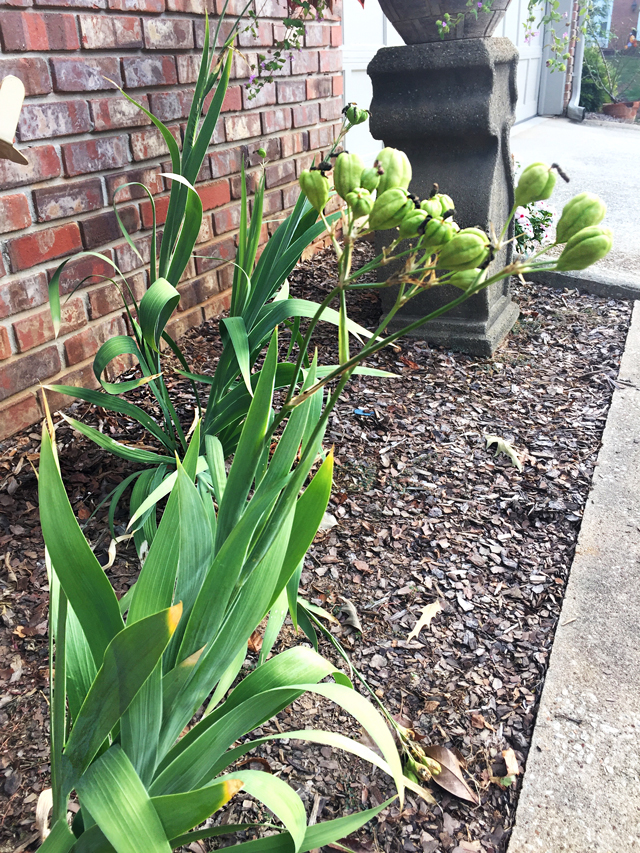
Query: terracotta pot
point(415, 20)
point(626, 110)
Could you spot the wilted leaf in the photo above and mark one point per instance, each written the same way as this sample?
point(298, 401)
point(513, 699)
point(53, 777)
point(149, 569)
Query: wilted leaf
point(426, 616)
point(450, 777)
point(255, 642)
point(503, 446)
point(328, 521)
point(511, 761)
point(352, 615)
point(477, 721)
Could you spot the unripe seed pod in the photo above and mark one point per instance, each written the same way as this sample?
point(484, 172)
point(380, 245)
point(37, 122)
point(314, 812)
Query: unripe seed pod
point(468, 249)
point(390, 209)
point(360, 202)
point(582, 211)
point(355, 115)
point(432, 206)
point(536, 184)
point(436, 234)
point(446, 202)
point(347, 172)
point(316, 188)
point(410, 225)
point(370, 179)
point(465, 278)
point(397, 170)
point(585, 248)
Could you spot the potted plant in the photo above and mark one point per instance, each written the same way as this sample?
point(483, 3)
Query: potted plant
point(610, 78)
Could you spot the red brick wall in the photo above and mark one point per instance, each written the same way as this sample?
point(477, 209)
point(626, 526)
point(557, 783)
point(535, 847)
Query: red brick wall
point(624, 18)
point(83, 140)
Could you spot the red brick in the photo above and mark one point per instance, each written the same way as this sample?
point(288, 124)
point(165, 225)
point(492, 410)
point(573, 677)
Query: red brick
point(36, 329)
point(188, 296)
point(234, 7)
point(259, 34)
point(330, 60)
point(218, 304)
point(225, 162)
point(242, 65)
point(82, 272)
point(306, 114)
point(190, 7)
point(336, 36)
point(21, 3)
point(151, 178)
point(215, 194)
point(251, 182)
point(338, 85)
point(38, 31)
point(271, 146)
point(318, 87)
point(162, 205)
point(273, 9)
point(242, 127)
point(232, 100)
point(144, 71)
point(60, 118)
point(317, 35)
point(215, 254)
point(86, 343)
point(206, 230)
point(32, 249)
point(127, 259)
point(320, 137)
point(116, 112)
point(189, 271)
point(188, 67)
point(106, 298)
point(227, 219)
point(272, 202)
point(44, 163)
point(74, 4)
point(206, 286)
point(305, 62)
point(168, 34)
point(331, 110)
point(265, 97)
point(19, 415)
point(294, 143)
point(82, 377)
point(137, 5)
point(100, 32)
point(274, 121)
point(28, 291)
point(225, 278)
point(306, 162)
point(104, 228)
point(291, 91)
point(34, 73)
point(290, 196)
point(5, 344)
point(67, 199)
point(168, 106)
point(184, 322)
point(85, 75)
point(20, 373)
point(280, 173)
point(14, 212)
point(95, 155)
point(146, 144)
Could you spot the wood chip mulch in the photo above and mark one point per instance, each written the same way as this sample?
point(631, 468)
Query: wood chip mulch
point(423, 513)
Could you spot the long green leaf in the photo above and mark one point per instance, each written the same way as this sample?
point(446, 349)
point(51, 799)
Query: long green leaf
point(81, 576)
point(128, 661)
point(118, 802)
point(236, 332)
point(161, 491)
point(188, 233)
point(115, 347)
point(131, 454)
point(156, 306)
point(181, 812)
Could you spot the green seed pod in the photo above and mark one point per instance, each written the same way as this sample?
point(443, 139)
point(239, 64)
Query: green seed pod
point(262, 152)
point(536, 184)
point(355, 115)
point(347, 172)
point(360, 202)
point(397, 169)
point(370, 179)
point(436, 234)
point(390, 209)
point(409, 227)
point(582, 211)
point(585, 248)
point(465, 278)
point(432, 206)
point(468, 249)
point(446, 202)
point(316, 188)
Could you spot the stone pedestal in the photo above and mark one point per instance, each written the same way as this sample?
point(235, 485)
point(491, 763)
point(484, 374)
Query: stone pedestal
point(449, 106)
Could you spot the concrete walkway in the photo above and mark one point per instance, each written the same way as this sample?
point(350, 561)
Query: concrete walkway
point(581, 788)
point(603, 158)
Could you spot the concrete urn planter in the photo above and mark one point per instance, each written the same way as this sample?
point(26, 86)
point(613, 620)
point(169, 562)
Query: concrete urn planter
point(415, 20)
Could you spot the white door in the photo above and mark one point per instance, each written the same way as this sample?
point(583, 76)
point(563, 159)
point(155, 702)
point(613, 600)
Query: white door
point(365, 31)
point(530, 64)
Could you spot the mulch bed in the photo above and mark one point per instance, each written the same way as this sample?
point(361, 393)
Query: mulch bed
point(425, 513)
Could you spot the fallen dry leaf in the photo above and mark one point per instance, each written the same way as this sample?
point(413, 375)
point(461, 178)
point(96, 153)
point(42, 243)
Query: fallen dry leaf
point(351, 613)
point(450, 777)
point(503, 446)
point(255, 642)
point(426, 616)
point(511, 761)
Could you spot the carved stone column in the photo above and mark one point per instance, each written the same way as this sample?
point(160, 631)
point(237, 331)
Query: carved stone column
point(450, 106)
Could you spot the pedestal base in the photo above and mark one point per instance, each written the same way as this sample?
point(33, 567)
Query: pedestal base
point(450, 106)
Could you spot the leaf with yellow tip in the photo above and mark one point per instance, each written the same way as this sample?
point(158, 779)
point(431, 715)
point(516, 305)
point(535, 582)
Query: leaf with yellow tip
point(179, 813)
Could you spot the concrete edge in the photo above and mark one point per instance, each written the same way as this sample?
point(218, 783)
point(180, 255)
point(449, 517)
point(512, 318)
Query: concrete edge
point(598, 282)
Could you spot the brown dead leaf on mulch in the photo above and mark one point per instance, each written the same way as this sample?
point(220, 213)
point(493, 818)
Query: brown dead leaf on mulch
point(426, 513)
